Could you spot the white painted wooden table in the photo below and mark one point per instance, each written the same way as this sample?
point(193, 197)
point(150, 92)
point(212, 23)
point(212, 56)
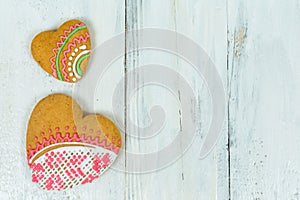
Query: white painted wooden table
point(255, 47)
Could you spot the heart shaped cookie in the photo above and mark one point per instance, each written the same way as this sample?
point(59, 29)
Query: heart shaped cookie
point(65, 149)
point(63, 53)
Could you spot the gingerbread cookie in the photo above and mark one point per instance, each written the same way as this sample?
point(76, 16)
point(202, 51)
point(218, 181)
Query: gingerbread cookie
point(65, 149)
point(63, 53)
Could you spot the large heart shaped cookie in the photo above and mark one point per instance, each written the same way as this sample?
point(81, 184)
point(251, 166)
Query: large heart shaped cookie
point(63, 53)
point(65, 149)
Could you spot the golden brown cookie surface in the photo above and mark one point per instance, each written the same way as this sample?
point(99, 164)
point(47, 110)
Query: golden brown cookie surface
point(66, 149)
point(63, 53)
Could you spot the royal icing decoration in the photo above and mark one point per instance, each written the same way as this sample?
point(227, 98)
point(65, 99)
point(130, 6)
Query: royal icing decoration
point(65, 149)
point(63, 51)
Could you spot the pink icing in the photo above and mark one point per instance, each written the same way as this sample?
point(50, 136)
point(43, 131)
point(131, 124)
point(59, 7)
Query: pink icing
point(58, 177)
point(34, 178)
point(37, 167)
point(96, 164)
point(105, 160)
point(102, 163)
point(80, 171)
point(49, 184)
point(89, 179)
point(67, 138)
point(58, 44)
point(73, 44)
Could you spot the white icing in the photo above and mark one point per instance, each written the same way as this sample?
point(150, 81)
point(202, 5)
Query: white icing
point(75, 62)
point(83, 47)
point(86, 145)
point(86, 165)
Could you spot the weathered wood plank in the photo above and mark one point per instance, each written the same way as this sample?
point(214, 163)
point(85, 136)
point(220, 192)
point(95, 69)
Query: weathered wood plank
point(189, 177)
point(264, 95)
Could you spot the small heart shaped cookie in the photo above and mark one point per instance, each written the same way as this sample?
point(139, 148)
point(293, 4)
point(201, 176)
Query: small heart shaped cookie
point(65, 149)
point(63, 53)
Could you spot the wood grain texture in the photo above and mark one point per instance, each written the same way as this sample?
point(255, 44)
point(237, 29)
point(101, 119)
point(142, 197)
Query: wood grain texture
point(254, 45)
point(189, 177)
point(264, 94)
